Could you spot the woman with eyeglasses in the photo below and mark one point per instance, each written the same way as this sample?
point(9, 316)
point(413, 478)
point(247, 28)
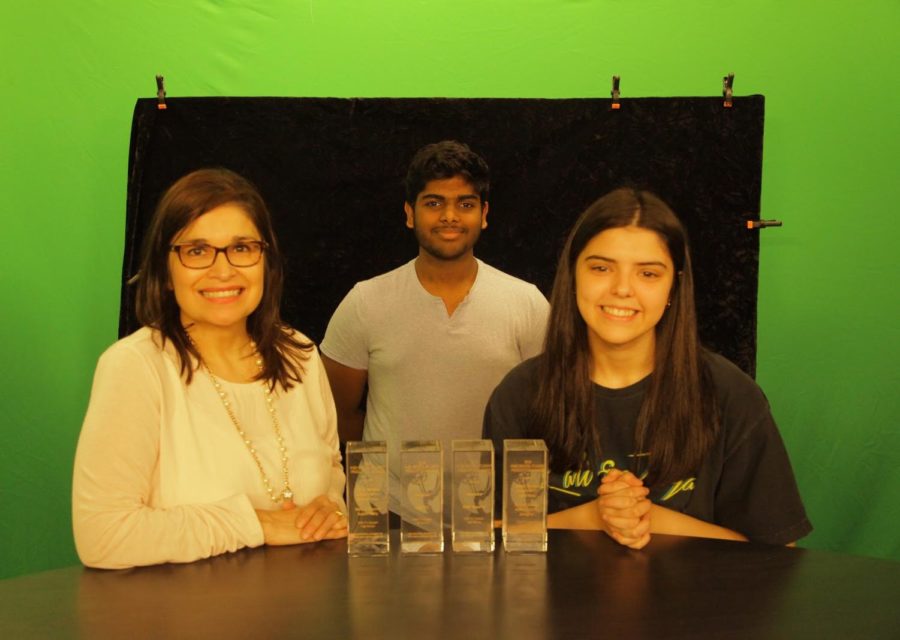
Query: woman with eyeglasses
point(212, 428)
point(647, 431)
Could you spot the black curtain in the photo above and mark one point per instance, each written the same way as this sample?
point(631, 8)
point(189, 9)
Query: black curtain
point(331, 171)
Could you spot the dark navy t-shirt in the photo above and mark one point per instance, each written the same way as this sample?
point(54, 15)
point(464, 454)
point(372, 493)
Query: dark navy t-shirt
point(745, 482)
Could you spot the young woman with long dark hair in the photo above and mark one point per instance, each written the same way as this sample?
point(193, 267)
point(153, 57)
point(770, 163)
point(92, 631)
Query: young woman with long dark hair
point(212, 427)
point(647, 431)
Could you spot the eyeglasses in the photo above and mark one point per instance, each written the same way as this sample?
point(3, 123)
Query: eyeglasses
point(245, 253)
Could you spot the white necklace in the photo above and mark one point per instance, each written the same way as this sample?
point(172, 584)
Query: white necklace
point(286, 493)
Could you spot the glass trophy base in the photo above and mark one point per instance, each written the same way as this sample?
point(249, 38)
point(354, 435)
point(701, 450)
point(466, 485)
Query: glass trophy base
point(422, 547)
point(464, 542)
point(421, 542)
point(368, 545)
point(525, 542)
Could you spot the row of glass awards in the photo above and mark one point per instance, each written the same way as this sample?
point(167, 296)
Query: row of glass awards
point(524, 523)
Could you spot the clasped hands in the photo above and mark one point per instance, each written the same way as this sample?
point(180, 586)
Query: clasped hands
point(321, 519)
point(624, 508)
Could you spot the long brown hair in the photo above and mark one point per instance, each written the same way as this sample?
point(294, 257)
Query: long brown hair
point(678, 420)
point(186, 200)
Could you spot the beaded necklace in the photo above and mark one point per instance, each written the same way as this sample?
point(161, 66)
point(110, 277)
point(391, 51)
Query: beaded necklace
point(286, 494)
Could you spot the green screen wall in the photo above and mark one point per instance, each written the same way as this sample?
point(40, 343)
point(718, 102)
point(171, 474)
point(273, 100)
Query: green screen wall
point(829, 304)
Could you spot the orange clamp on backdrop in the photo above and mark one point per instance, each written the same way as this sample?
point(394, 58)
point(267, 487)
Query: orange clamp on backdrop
point(160, 92)
point(762, 224)
point(728, 91)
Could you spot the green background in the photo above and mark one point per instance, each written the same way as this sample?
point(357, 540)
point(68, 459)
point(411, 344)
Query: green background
point(828, 313)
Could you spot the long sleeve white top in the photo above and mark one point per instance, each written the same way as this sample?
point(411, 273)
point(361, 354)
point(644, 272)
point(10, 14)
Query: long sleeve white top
point(161, 474)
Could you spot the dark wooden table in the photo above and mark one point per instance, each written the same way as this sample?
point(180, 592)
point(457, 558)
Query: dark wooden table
point(584, 587)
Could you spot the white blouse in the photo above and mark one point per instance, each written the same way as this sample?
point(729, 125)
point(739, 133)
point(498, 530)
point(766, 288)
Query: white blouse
point(161, 474)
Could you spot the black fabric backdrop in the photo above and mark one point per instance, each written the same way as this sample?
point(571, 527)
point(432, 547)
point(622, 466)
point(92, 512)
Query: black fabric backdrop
point(331, 171)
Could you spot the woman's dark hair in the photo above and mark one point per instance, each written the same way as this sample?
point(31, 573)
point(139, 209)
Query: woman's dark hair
point(678, 420)
point(447, 159)
point(189, 198)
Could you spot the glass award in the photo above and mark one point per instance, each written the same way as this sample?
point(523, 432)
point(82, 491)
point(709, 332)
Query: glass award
point(422, 497)
point(367, 498)
point(524, 495)
point(472, 499)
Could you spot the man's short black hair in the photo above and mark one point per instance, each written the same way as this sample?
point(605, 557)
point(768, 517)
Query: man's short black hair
point(447, 159)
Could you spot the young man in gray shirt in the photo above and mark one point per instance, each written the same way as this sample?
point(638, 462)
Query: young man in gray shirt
point(433, 337)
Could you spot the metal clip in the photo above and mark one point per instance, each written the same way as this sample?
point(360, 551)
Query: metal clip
point(762, 224)
point(160, 92)
point(728, 91)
